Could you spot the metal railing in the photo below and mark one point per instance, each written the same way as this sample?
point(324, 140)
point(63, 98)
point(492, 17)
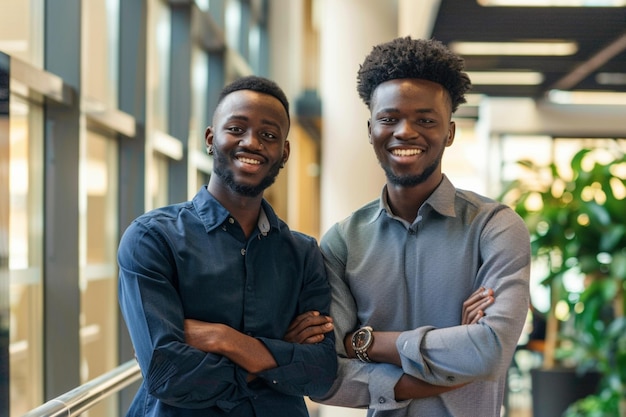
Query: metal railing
point(81, 398)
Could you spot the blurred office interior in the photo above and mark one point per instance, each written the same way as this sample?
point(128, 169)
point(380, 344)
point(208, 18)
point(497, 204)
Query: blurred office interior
point(104, 103)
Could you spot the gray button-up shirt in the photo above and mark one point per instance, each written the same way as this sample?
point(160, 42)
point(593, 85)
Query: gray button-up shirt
point(413, 278)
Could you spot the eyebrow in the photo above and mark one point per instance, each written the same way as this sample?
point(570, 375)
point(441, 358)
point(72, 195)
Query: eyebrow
point(246, 119)
point(396, 110)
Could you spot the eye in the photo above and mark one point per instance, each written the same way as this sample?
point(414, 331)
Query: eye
point(235, 130)
point(269, 136)
point(387, 120)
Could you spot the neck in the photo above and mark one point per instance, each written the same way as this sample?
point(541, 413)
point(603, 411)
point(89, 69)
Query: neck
point(405, 202)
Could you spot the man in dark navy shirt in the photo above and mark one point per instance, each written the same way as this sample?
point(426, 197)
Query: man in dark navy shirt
point(226, 307)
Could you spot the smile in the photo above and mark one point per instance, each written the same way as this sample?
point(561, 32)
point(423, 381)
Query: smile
point(406, 152)
point(249, 161)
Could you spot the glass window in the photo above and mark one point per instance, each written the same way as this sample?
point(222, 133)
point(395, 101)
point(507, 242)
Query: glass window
point(233, 24)
point(200, 118)
point(25, 255)
point(100, 29)
point(159, 174)
point(98, 319)
point(158, 71)
point(199, 87)
point(22, 30)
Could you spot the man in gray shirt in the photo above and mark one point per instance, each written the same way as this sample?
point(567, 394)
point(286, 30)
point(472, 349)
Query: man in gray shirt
point(401, 267)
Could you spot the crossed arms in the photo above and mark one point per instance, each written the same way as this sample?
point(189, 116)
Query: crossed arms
point(310, 328)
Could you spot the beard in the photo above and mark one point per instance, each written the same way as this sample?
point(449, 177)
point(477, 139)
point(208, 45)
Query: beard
point(412, 180)
point(221, 170)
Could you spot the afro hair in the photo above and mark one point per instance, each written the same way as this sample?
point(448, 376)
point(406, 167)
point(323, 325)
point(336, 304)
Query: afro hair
point(426, 59)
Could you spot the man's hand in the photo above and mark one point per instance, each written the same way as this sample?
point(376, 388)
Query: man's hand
point(309, 328)
point(474, 307)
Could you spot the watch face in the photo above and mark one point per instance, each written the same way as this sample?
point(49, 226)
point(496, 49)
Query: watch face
point(361, 338)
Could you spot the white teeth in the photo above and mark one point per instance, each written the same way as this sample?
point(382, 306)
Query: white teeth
point(406, 152)
point(249, 161)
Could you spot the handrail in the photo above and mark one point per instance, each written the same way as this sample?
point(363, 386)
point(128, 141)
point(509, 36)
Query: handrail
point(81, 398)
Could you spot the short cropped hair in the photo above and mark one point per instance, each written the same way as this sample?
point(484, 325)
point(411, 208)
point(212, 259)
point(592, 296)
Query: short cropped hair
point(258, 84)
point(426, 59)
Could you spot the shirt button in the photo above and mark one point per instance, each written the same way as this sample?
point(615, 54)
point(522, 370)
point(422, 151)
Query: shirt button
point(231, 220)
point(243, 251)
point(274, 382)
point(382, 400)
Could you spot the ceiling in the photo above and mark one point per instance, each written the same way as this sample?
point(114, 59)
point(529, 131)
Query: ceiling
point(599, 32)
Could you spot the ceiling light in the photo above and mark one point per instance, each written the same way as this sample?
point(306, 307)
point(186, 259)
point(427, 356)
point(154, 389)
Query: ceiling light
point(515, 48)
point(505, 78)
point(553, 3)
point(587, 97)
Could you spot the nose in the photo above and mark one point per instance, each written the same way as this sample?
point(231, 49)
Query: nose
point(251, 141)
point(404, 130)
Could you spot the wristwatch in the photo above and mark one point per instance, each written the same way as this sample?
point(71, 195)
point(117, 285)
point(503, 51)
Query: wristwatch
point(362, 339)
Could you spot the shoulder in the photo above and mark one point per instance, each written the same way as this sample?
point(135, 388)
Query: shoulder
point(364, 215)
point(494, 219)
point(160, 220)
point(297, 240)
point(479, 204)
point(165, 214)
point(358, 221)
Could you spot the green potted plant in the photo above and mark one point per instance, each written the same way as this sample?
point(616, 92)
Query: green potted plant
point(577, 223)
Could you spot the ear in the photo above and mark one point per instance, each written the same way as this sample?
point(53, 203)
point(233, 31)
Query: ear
point(286, 152)
point(369, 130)
point(208, 136)
point(451, 133)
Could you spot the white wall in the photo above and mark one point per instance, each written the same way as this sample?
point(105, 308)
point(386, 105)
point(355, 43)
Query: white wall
point(350, 172)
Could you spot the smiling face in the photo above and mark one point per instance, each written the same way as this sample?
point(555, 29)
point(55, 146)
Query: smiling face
point(249, 142)
point(409, 129)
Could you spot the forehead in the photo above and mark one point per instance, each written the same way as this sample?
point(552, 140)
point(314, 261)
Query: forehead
point(252, 104)
point(413, 90)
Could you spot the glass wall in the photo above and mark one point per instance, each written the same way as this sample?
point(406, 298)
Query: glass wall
point(98, 278)
point(21, 212)
point(89, 146)
point(98, 209)
point(100, 38)
point(21, 30)
point(116, 155)
point(25, 240)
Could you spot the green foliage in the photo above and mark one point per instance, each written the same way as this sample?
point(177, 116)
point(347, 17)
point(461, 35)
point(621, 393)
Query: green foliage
point(604, 404)
point(578, 225)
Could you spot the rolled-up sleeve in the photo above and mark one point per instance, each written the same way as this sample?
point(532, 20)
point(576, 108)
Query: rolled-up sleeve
point(461, 354)
point(154, 316)
point(496, 254)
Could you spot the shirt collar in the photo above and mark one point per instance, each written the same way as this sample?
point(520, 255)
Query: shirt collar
point(213, 214)
point(441, 200)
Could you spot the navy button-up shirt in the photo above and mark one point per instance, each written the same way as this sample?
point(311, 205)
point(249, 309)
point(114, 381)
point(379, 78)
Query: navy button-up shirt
point(192, 260)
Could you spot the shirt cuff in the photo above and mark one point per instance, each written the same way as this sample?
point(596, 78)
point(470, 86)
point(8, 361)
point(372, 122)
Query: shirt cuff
point(409, 347)
point(382, 381)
